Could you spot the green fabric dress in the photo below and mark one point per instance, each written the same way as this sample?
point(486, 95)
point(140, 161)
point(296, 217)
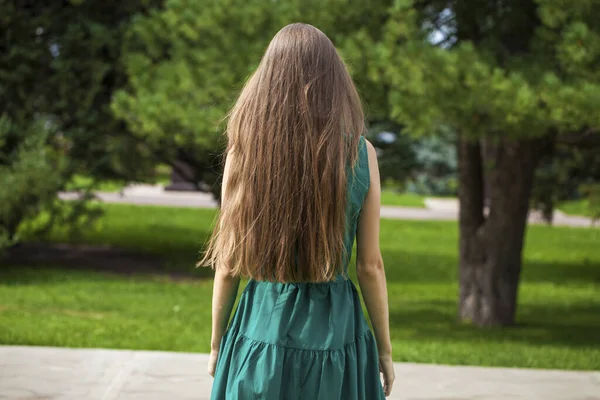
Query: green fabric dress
point(303, 340)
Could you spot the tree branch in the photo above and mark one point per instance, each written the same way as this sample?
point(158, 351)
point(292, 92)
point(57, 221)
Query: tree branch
point(588, 137)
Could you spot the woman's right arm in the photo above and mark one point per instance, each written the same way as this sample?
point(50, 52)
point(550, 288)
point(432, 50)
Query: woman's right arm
point(371, 274)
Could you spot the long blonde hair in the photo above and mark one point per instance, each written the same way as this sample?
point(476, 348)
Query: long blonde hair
point(292, 134)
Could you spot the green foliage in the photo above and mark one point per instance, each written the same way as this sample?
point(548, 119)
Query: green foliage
point(183, 63)
point(395, 152)
point(510, 82)
point(425, 165)
point(592, 192)
point(436, 172)
point(63, 64)
point(30, 177)
point(187, 62)
point(58, 69)
point(568, 173)
point(32, 169)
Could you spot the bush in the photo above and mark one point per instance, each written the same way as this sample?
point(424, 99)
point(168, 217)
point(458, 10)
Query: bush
point(426, 165)
point(437, 165)
point(33, 169)
point(592, 191)
point(30, 176)
point(569, 173)
point(395, 153)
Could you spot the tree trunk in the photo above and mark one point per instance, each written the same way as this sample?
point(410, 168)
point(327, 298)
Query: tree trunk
point(184, 174)
point(491, 246)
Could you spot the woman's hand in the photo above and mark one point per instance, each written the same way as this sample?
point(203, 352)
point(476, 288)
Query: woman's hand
point(212, 362)
point(386, 367)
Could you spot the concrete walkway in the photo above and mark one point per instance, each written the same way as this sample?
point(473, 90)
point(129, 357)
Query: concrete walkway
point(436, 209)
point(28, 373)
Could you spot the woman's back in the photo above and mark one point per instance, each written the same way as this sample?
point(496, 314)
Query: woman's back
point(300, 184)
point(303, 340)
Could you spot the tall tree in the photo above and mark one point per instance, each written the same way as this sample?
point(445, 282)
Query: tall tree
point(187, 61)
point(512, 77)
point(58, 69)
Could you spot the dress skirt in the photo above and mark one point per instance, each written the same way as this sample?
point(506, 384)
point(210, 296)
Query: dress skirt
point(298, 341)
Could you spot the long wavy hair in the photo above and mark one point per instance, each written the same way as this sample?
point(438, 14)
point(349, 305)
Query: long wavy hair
point(292, 134)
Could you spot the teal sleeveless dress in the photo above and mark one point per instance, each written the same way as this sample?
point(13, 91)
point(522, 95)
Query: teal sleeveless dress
point(303, 340)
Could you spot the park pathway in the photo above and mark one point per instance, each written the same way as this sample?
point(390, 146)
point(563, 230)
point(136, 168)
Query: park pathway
point(436, 209)
point(48, 373)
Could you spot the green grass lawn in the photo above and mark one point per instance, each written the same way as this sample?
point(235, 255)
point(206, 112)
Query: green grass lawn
point(80, 181)
point(163, 173)
point(393, 198)
point(576, 207)
point(559, 300)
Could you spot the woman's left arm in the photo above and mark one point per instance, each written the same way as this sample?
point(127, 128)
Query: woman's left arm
point(225, 288)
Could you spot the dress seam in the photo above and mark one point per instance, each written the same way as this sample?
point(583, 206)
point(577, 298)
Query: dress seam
point(357, 339)
point(345, 278)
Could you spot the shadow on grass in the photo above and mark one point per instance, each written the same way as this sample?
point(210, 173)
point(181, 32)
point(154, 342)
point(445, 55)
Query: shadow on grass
point(177, 246)
point(156, 255)
point(55, 274)
point(572, 326)
point(409, 266)
point(97, 258)
point(414, 251)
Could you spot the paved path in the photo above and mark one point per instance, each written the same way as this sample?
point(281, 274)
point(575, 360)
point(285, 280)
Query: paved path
point(28, 373)
point(436, 209)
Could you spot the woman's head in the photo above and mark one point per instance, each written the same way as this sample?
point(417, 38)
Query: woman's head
point(302, 81)
point(292, 132)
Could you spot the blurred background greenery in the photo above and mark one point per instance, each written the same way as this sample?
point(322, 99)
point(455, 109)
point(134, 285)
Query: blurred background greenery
point(496, 103)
